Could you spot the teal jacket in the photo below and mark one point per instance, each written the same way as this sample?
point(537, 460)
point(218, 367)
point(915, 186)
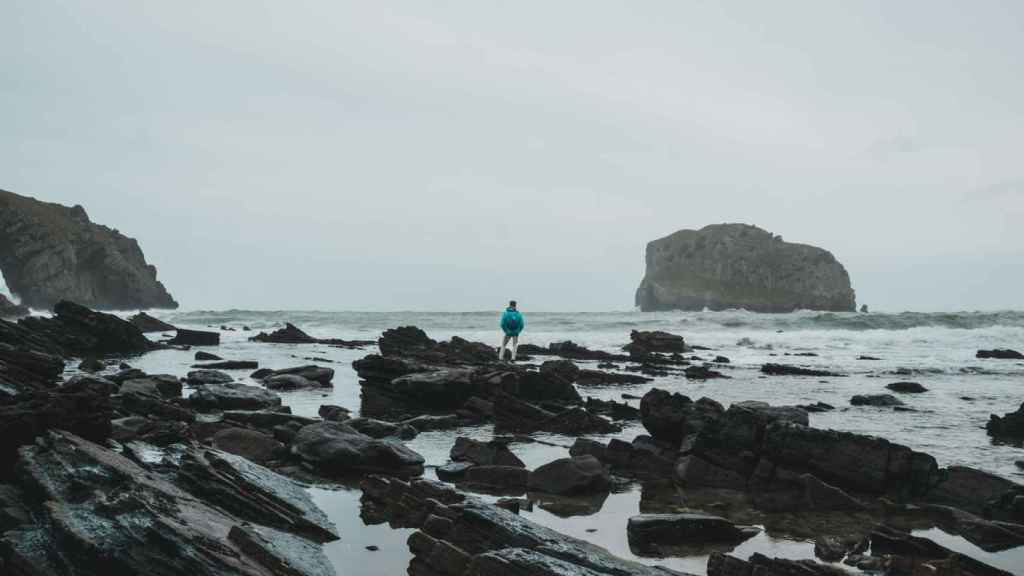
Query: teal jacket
point(512, 322)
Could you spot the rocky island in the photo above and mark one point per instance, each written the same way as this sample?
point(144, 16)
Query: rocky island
point(741, 266)
point(50, 252)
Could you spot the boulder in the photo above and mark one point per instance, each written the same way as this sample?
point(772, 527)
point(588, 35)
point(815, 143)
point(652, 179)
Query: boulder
point(646, 532)
point(906, 387)
point(333, 413)
point(75, 330)
point(404, 341)
point(484, 453)
point(249, 444)
point(564, 369)
point(880, 400)
point(1001, 354)
point(53, 252)
point(202, 356)
point(497, 478)
point(566, 476)
point(146, 323)
point(195, 338)
point(671, 417)
point(334, 449)
point(1009, 425)
point(657, 341)
point(201, 377)
point(726, 266)
point(291, 334)
point(380, 429)
point(289, 382)
point(310, 372)
point(232, 396)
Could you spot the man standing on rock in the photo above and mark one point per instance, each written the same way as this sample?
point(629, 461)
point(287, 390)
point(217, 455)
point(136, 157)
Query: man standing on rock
point(512, 323)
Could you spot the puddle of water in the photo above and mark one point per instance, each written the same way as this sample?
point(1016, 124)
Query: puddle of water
point(1011, 560)
point(349, 555)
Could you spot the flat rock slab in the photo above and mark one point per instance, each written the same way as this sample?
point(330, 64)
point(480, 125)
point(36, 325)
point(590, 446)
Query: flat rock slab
point(649, 530)
point(335, 449)
point(233, 396)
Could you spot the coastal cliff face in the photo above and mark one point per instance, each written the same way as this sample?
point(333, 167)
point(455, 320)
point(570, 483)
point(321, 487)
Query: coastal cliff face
point(50, 252)
point(741, 266)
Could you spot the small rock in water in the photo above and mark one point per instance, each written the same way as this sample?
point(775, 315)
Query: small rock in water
point(1019, 464)
point(591, 530)
point(875, 400)
point(372, 548)
point(906, 387)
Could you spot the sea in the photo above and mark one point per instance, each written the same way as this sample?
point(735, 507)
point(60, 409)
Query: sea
point(936, 350)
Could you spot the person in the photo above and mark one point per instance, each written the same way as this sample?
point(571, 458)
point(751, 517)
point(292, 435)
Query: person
point(512, 323)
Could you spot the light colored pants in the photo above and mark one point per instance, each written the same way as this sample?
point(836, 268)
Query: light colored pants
point(504, 343)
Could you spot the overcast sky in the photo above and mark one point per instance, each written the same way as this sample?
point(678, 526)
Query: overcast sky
point(438, 156)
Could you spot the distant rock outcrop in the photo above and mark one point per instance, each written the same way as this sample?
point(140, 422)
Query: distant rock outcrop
point(741, 266)
point(50, 253)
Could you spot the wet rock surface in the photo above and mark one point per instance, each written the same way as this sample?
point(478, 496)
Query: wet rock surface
point(291, 334)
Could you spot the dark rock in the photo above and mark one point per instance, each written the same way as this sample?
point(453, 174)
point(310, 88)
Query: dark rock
point(229, 365)
point(497, 478)
point(201, 377)
point(10, 310)
point(518, 416)
point(614, 410)
point(126, 374)
point(75, 330)
point(202, 356)
point(333, 413)
point(657, 341)
point(261, 374)
point(721, 360)
point(160, 385)
point(51, 252)
point(564, 369)
point(574, 351)
point(1010, 425)
point(232, 396)
point(109, 510)
point(268, 418)
point(453, 471)
point(920, 551)
point(289, 382)
point(788, 370)
point(971, 489)
point(599, 378)
point(92, 365)
point(380, 429)
point(702, 373)
point(429, 422)
point(310, 372)
point(1001, 354)
point(906, 387)
point(575, 475)
point(740, 266)
point(25, 370)
point(404, 341)
point(85, 410)
point(881, 400)
point(484, 453)
point(146, 323)
point(830, 548)
point(693, 471)
point(671, 417)
point(195, 338)
point(647, 532)
point(862, 357)
point(249, 444)
point(335, 449)
point(290, 334)
point(720, 564)
point(819, 496)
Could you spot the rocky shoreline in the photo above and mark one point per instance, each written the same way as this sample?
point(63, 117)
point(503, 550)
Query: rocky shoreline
point(118, 471)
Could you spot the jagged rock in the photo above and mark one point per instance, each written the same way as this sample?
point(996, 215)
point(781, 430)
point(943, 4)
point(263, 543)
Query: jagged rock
point(335, 449)
point(462, 536)
point(906, 387)
point(671, 417)
point(404, 341)
point(10, 310)
point(564, 369)
point(484, 453)
point(25, 370)
point(232, 396)
point(75, 330)
point(85, 410)
point(195, 338)
point(740, 266)
point(377, 369)
point(160, 385)
point(228, 365)
point(249, 444)
point(574, 351)
point(702, 373)
point(971, 489)
point(290, 334)
point(122, 519)
point(567, 476)
point(614, 410)
point(50, 253)
point(816, 407)
point(722, 565)
point(788, 370)
point(1010, 424)
point(881, 400)
point(202, 356)
point(146, 323)
point(1001, 354)
point(155, 432)
point(516, 415)
point(648, 532)
point(201, 377)
point(656, 341)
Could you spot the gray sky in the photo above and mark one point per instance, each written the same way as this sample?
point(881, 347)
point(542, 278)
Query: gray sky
point(451, 156)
